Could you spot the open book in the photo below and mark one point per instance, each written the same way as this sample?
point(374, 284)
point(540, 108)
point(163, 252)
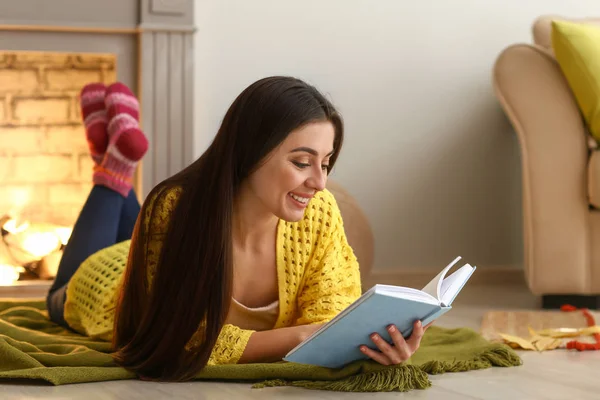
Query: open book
point(337, 343)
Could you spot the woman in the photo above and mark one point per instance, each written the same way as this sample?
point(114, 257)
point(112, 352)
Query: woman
point(236, 259)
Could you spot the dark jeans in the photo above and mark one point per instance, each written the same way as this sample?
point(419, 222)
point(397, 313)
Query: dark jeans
point(105, 219)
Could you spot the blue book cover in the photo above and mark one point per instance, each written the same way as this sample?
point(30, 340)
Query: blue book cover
point(337, 342)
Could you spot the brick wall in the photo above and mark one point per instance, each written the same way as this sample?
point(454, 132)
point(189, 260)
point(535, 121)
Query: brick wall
point(45, 167)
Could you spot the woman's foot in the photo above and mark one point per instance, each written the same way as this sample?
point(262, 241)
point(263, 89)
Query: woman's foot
point(127, 144)
point(95, 120)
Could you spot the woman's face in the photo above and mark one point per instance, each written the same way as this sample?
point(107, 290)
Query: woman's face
point(294, 171)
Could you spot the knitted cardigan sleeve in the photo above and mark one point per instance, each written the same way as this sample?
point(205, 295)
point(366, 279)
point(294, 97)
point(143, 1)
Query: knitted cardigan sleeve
point(232, 340)
point(332, 280)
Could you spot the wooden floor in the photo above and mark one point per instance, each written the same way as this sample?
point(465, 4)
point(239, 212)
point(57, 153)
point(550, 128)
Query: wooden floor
point(552, 375)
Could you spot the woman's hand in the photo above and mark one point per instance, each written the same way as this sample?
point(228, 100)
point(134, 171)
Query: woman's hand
point(401, 350)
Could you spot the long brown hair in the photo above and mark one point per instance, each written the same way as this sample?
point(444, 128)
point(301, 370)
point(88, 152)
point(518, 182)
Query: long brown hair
point(191, 289)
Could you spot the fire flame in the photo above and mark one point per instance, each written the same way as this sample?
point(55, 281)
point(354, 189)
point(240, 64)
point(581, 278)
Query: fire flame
point(11, 226)
point(9, 274)
point(39, 244)
point(36, 242)
point(64, 234)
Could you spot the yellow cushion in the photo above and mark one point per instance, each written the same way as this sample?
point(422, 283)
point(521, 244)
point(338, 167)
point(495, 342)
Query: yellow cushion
point(577, 50)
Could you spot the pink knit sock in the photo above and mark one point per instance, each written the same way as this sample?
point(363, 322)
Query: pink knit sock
point(127, 144)
point(93, 112)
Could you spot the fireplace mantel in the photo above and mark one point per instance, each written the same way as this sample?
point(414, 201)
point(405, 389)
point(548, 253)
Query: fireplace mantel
point(153, 44)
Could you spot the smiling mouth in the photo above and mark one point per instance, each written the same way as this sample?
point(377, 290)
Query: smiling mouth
point(299, 199)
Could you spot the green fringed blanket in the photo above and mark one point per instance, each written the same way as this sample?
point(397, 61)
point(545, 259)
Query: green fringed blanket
point(32, 347)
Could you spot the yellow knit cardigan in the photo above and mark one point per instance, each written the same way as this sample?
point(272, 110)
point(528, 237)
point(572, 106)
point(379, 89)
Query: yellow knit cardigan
point(318, 275)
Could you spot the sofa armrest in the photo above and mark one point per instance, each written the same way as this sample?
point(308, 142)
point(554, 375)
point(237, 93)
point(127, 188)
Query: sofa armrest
point(541, 108)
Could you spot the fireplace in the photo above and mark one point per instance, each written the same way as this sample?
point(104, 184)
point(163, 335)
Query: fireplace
point(47, 54)
point(45, 165)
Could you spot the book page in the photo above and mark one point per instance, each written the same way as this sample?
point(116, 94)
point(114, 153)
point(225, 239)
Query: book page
point(453, 284)
point(435, 285)
point(406, 293)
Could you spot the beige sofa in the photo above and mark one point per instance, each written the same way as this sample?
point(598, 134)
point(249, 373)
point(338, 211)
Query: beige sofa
point(561, 172)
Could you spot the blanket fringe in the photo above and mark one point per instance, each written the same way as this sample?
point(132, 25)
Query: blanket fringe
point(400, 378)
point(403, 378)
point(498, 357)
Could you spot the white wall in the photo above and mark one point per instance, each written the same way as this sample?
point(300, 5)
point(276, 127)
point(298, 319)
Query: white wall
point(429, 154)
